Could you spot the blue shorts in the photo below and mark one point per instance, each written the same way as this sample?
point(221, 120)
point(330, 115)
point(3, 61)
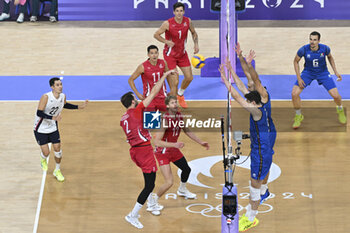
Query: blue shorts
point(260, 163)
point(324, 79)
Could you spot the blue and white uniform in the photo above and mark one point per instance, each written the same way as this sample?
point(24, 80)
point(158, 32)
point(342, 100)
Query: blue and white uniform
point(315, 66)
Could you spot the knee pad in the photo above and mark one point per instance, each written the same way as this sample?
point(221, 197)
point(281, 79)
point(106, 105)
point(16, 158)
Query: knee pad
point(254, 194)
point(58, 154)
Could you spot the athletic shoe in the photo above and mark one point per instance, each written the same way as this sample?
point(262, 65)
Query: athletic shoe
point(133, 221)
point(341, 115)
point(20, 18)
point(297, 121)
point(52, 19)
point(43, 163)
point(57, 173)
point(264, 197)
point(181, 100)
point(245, 224)
point(155, 209)
point(185, 193)
point(4, 16)
point(33, 18)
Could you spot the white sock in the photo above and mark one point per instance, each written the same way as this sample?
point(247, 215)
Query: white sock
point(340, 107)
point(181, 92)
point(263, 189)
point(135, 211)
point(182, 186)
point(249, 208)
point(42, 155)
point(252, 215)
point(298, 112)
point(58, 165)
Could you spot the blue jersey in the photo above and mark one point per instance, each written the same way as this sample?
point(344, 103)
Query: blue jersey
point(315, 61)
point(259, 132)
point(271, 125)
point(261, 150)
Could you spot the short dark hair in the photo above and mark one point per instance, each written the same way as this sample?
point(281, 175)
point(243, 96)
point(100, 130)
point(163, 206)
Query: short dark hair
point(53, 80)
point(151, 47)
point(179, 4)
point(127, 99)
point(168, 98)
point(253, 96)
point(314, 33)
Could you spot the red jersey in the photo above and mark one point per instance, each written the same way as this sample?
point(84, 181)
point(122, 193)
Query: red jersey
point(173, 130)
point(151, 75)
point(177, 33)
point(131, 123)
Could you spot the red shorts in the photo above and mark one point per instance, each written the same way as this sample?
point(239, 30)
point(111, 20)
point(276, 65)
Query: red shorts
point(157, 104)
point(143, 156)
point(179, 61)
point(170, 155)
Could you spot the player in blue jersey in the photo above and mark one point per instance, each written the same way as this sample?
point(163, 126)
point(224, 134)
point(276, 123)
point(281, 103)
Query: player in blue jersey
point(315, 67)
point(261, 150)
point(254, 83)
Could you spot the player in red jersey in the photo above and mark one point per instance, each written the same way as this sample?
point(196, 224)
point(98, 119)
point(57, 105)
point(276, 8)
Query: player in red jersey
point(174, 53)
point(141, 150)
point(151, 71)
point(167, 149)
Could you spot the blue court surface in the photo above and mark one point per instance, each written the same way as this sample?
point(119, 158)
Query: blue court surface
point(111, 88)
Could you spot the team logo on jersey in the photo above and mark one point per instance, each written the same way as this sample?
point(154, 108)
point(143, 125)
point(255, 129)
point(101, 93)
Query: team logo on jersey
point(308, 56)
point(322, 54)
point(185, 24)
point(161, 66)
point(151, 120)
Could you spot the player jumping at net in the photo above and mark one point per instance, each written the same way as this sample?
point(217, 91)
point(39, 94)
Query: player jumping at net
point(315, 67)
point(174, 52)
point(261, 153)
point(254, 83)
point(168, 149)
point(151, 70)
point(141, 150)
point(46, 124)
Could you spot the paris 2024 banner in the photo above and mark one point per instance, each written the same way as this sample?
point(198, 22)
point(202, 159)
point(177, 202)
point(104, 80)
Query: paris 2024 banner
point(200, 9)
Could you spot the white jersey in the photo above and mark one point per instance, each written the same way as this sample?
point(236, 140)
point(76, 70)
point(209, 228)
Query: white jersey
point(53, 108)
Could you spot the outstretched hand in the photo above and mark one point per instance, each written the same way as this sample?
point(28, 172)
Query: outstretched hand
point(205, 144)
point(238, 49)
point(83, 105)
point(250, 57)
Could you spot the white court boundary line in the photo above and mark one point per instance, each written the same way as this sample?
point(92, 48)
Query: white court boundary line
point(30, 101)
point(41, 193)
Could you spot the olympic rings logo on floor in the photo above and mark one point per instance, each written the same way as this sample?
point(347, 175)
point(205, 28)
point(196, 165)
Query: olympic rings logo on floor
point(207, 210)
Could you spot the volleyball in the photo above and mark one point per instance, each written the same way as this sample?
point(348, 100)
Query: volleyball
point(198, 61)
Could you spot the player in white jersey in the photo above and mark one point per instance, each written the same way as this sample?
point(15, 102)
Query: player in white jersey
point(45, 125)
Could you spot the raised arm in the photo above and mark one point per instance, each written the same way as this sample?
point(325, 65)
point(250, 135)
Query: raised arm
point(139, 70)
point(248, 106)
point(255, 77)
point(194, 37)
point(332, 62)
point(156, 88)
point(160, 31)
point(240, 85)
point(244, 64)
